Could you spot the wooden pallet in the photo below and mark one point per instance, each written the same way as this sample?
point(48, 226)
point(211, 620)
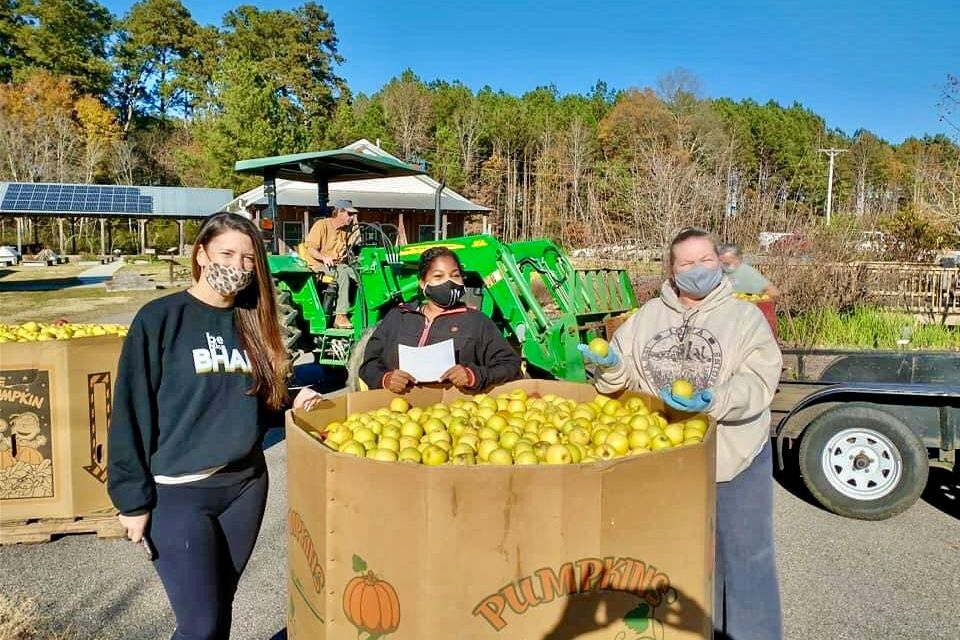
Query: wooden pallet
point(105, 525)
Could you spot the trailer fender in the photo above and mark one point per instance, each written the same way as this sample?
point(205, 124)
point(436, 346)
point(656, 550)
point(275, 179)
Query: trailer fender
point(789, 427)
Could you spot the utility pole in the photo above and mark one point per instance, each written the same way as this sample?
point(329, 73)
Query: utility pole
point(833, 153)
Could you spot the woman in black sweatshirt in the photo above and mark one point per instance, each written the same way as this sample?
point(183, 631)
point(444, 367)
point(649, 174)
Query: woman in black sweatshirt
point(483, 356)
point(198, 371)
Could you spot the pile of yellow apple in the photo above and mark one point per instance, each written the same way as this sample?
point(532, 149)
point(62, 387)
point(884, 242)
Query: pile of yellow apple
point(510, 428)
point(41, 332)
point(752, 297)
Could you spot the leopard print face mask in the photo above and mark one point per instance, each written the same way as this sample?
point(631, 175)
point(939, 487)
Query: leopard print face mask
point(227, 280)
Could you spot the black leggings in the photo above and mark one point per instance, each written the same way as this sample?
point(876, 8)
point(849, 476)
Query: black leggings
point(203, 536)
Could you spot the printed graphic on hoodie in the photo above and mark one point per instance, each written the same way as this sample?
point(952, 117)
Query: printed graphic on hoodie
point(695, 356)
point(216, 359)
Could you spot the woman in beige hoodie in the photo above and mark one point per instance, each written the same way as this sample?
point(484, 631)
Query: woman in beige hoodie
point(697, 331)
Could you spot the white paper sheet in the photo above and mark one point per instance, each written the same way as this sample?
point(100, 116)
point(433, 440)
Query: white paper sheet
point(427, 364)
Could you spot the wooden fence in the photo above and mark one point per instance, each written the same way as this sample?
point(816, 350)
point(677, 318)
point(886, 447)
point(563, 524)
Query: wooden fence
point(920, 289)
point(930, 292)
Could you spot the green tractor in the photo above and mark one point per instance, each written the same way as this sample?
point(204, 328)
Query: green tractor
point(544, 306)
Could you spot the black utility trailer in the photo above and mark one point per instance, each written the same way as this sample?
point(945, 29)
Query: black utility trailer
point(868, 424)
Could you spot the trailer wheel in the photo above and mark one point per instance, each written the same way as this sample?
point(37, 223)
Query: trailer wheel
point(860, 461)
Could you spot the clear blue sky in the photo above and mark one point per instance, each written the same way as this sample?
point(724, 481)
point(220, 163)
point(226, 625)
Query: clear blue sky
point(876, 64)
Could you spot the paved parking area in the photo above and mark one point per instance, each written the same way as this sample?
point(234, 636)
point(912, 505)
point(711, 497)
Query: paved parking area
point(842, 579)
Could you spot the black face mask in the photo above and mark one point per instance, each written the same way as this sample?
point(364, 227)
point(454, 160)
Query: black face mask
point(445, 295)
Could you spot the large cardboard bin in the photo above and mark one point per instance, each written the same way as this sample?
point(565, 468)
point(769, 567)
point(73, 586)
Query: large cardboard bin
point(618, 550)
point(55, 402)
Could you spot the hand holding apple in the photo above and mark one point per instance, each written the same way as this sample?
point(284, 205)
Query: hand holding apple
point(682, 397)
point(600, 353)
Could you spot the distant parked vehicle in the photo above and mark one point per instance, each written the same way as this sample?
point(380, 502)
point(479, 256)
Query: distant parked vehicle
point(879, 245)
point(788, 243)
point(9, 256)
point(873, 242)
point(791, 244)
point(767, 238)
point(949, 259)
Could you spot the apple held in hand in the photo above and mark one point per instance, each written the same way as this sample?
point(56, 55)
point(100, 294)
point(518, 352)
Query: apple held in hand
point(600, 347)
point(682, 389)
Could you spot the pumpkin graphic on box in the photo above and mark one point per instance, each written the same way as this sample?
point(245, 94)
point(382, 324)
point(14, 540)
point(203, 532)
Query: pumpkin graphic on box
point(370, 603)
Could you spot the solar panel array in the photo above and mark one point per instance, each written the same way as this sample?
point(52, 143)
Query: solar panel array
point(75, 198)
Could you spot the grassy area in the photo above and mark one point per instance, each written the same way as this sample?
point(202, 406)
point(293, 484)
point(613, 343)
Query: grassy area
point(21, 273)
point(21, 619)
point(86, 304)
point(865, 328)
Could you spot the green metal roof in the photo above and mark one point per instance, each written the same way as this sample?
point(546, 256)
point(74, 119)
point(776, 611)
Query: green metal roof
point(336, 165)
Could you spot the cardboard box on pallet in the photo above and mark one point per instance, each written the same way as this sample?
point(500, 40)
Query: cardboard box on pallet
point(55, 403)
point(615, 550)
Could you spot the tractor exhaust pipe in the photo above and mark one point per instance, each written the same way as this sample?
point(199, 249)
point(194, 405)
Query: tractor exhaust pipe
point(436, 212)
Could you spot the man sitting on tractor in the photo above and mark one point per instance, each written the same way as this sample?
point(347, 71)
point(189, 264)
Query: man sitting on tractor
point(327, 247)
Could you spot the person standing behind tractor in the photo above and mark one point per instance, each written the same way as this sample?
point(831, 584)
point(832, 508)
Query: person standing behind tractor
point(198, 373)
point(483, 356)
point(697, 331)
point(743, 277)
point(327, 245)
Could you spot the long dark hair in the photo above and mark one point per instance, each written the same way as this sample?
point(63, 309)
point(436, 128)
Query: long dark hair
point(254, 311)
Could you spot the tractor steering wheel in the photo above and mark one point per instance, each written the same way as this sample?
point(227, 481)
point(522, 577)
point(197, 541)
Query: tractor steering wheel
point(388, 246)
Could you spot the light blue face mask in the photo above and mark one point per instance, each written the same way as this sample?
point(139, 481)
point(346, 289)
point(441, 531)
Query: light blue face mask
point(698, 281)
point(728, 268)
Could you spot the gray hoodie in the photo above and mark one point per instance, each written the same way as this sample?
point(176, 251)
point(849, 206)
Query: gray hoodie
point(722, 344)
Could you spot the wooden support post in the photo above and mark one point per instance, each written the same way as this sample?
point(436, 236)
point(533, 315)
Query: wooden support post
point(103, 236)
point(60, 234)
point(143, 236)
point(401, 230)
point(179, 245)
point(20, 236)
point(443, 227)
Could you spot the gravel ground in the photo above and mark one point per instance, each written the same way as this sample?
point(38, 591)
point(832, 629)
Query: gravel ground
point(841, 579)
point(107, 589)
